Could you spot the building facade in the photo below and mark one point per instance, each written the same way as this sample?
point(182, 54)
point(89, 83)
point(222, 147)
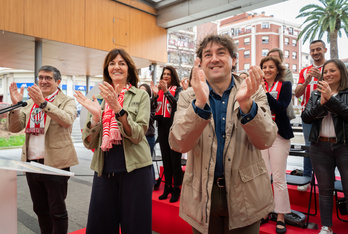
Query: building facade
point(256, 34)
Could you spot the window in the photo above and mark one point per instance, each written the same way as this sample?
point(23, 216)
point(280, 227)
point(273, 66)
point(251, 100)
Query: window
point(265, 25)
point(286, 54)
point(265, 39)
point(236, 42)
point(286, 41)
point(287, 65)
point(294, 55)
point(264, 52)
point(306, 56)
point(247, 41)
point(246, 53)
point(291, 31)
point(235, 31)
point(226, 33)
point(248, 29)
point(294, 42)
point(246, 66)
point(294, 67)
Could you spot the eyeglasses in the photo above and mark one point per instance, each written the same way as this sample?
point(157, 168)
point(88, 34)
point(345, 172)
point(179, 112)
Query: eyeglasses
point(47, 78)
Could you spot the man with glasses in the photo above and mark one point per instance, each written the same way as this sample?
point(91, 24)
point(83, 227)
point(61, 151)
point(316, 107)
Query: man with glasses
point(47, 120)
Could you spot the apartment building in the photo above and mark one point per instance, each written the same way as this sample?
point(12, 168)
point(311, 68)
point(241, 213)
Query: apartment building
point(255, 34)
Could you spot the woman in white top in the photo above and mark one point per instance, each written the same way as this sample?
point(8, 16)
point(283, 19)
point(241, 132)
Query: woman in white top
point(327, 110)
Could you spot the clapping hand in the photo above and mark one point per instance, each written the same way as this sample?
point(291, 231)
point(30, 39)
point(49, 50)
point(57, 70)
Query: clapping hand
point(154, 89)
point(185, 83)
point(15, 95)
point(325, 90)
point(35, 94)
point(199, 85)
point(163, 86)
point(92, 106)
point(110, 95)
point(249, 87)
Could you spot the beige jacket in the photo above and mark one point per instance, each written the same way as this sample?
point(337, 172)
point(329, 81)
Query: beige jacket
point(59, 148)
point(249, 193)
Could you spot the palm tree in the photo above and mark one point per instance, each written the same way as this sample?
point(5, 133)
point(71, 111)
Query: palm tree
point(332, 18)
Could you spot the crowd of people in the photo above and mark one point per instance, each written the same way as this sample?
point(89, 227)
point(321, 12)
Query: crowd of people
point(234, 128)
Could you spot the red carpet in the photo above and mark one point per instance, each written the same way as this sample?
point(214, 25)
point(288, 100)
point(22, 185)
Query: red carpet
point(166, 220)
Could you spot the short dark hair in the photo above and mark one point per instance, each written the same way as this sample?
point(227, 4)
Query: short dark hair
point(280, 52)
point(132, 78)
point(147, 88)
point(316, 41)
point(56, 72)
point(174, 75)
point(343, 71)
point(223, 40)
point(280, 68)
point(244, 73)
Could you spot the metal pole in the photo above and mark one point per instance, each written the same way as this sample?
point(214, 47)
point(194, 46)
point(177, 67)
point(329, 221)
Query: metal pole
point(154, 72)
point(38, 58)
point(88, 78)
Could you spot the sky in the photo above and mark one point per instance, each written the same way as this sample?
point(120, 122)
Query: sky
point(288, 10)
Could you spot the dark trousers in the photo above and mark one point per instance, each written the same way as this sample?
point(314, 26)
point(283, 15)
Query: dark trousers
point(171, 159)
point(121, 199)
point(218, 221)
point(325, 157)
point(307, 165)
point(48, 193)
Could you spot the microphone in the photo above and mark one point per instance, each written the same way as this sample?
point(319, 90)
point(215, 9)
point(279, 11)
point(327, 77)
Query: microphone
point(21, 103)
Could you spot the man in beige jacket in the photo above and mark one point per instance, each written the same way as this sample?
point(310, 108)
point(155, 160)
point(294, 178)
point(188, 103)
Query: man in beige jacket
point(223, 123)
point(48, 120)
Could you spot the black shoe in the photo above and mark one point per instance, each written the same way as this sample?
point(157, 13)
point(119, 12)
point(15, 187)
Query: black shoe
point(157, 184)
point(280, 230)
point(175, 194)
point(263, 221)
point(167, 189)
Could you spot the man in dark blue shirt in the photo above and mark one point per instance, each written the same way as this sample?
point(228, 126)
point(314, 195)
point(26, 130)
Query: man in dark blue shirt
point(223, 122)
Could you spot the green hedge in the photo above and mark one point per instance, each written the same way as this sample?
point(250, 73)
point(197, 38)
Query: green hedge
point(12, 141)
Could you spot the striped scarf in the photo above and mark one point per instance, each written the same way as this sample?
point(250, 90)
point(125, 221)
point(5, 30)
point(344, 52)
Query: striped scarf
point(37, 120)
point(111, 132)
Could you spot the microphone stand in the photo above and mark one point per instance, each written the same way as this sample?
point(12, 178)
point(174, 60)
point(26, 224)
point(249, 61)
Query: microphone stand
point(7, 109)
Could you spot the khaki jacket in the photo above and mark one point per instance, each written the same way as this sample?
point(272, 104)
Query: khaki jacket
point(249, 192)
point(136, 149)
point(59, 148)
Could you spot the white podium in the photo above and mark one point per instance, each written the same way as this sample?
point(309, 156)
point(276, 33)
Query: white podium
point(8, 189)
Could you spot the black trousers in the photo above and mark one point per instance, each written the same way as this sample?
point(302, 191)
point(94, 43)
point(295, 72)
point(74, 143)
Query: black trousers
point(171, 159)
point(121, 199)
point(48, 193)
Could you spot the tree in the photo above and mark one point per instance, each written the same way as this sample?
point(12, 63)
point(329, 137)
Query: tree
point(331, 18)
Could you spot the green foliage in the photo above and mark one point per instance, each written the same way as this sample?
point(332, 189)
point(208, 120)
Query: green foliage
point(12, 141)
point(331, 17)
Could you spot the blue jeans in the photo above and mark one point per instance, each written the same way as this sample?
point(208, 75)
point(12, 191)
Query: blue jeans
point(151, 140)
point(325, 157)
point(307, 165)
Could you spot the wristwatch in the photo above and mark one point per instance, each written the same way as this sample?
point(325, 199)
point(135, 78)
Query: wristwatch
point(43, 105)
point(120, 113)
